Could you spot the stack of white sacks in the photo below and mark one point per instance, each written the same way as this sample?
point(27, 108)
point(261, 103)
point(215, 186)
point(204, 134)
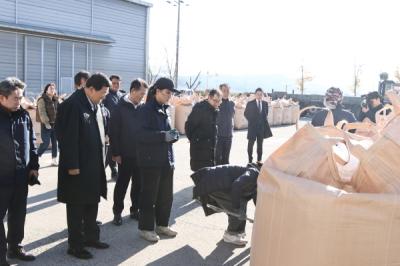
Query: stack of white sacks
point(280, 112)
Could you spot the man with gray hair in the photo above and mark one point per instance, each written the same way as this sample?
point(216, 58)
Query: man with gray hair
point(18, 168)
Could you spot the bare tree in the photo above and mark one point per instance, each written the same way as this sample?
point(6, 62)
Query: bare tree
point(305, 77)
point(152, 76)
point(356, 78)
point(170, 66)
point(193, 85)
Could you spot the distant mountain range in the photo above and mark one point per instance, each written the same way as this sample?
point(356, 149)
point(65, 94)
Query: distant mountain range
point(248, 83)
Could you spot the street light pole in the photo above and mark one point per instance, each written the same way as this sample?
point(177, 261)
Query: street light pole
point(177, 45)
point(178, 4)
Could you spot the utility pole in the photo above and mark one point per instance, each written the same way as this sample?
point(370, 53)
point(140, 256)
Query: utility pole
point(177, 3)
point(177, 44)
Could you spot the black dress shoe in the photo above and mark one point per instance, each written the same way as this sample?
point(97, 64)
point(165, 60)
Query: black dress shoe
point(19, 253)
point(82, 254)
point(3, 262)
point(97, 244)
point(117, 220)
point(134, 215)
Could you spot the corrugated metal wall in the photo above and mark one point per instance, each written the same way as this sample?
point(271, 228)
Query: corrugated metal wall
point(39, 60)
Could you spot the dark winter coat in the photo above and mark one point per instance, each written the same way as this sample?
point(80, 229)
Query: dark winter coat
point(123, 128)
point(112, 99)
point(18, 153)
point(51, 105)
point(152, 149)
point(201, 130)
point(237, 181)
point(81, 148)
point(371, 114)
point(339, 114)
point(258, 122)
point(225, 118)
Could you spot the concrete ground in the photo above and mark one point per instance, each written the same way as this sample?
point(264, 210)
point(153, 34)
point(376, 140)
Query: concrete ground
point(199, 241)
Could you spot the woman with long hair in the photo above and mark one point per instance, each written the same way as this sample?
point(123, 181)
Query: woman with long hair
point(46, 115)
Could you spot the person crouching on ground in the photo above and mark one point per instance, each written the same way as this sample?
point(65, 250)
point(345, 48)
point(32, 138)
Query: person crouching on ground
point(156, 162)
point(228, 187)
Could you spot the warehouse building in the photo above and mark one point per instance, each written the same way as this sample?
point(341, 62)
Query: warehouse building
point(44, 41)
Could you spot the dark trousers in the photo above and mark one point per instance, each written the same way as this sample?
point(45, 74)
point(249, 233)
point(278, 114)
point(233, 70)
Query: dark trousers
point(260, 140)
point(224, 145)
point(13, 201)
point(48, 135)
point(110, 162)
point(155, 197)
point(79, 215)
point(235, 226)
point(128, 170)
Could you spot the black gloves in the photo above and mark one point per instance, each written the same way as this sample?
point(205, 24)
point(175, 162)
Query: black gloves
point(33, 179)
point(172, 136)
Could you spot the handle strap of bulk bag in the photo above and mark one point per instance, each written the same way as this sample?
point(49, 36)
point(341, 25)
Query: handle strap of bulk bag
point(384, 116)
point(394, 98)
point(328, 137)
point(340, 156)
point(346, 166)
point(328, 120)
point(360, 125)
point(304, 110)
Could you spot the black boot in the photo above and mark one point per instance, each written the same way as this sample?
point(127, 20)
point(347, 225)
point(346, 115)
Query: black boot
point(3, 262)
point(117, 220)
point(81, 253)
point(19, 253)
point(97, 244)
point(134, 215)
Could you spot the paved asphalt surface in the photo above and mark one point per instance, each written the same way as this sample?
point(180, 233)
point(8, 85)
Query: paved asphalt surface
point(199, 241)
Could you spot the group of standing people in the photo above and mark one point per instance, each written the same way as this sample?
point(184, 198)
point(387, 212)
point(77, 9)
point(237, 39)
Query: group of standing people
point(82, 124)
point(84, 128)
point(371, 104)
point(93, 129)
point(209, 129)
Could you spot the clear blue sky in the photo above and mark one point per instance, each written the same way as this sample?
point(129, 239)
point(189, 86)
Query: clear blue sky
point(264, 37)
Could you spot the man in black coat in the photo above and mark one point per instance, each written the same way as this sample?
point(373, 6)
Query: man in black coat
point(374, 102)
point(256, 113)
point(18, 168)
point(156, 162)
point(123, 129)
point(333, 101)
point(228, 187)
point(225, 126)
point(201, 130)
point(111, 102)
point(80, 79)
point(80, 128)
